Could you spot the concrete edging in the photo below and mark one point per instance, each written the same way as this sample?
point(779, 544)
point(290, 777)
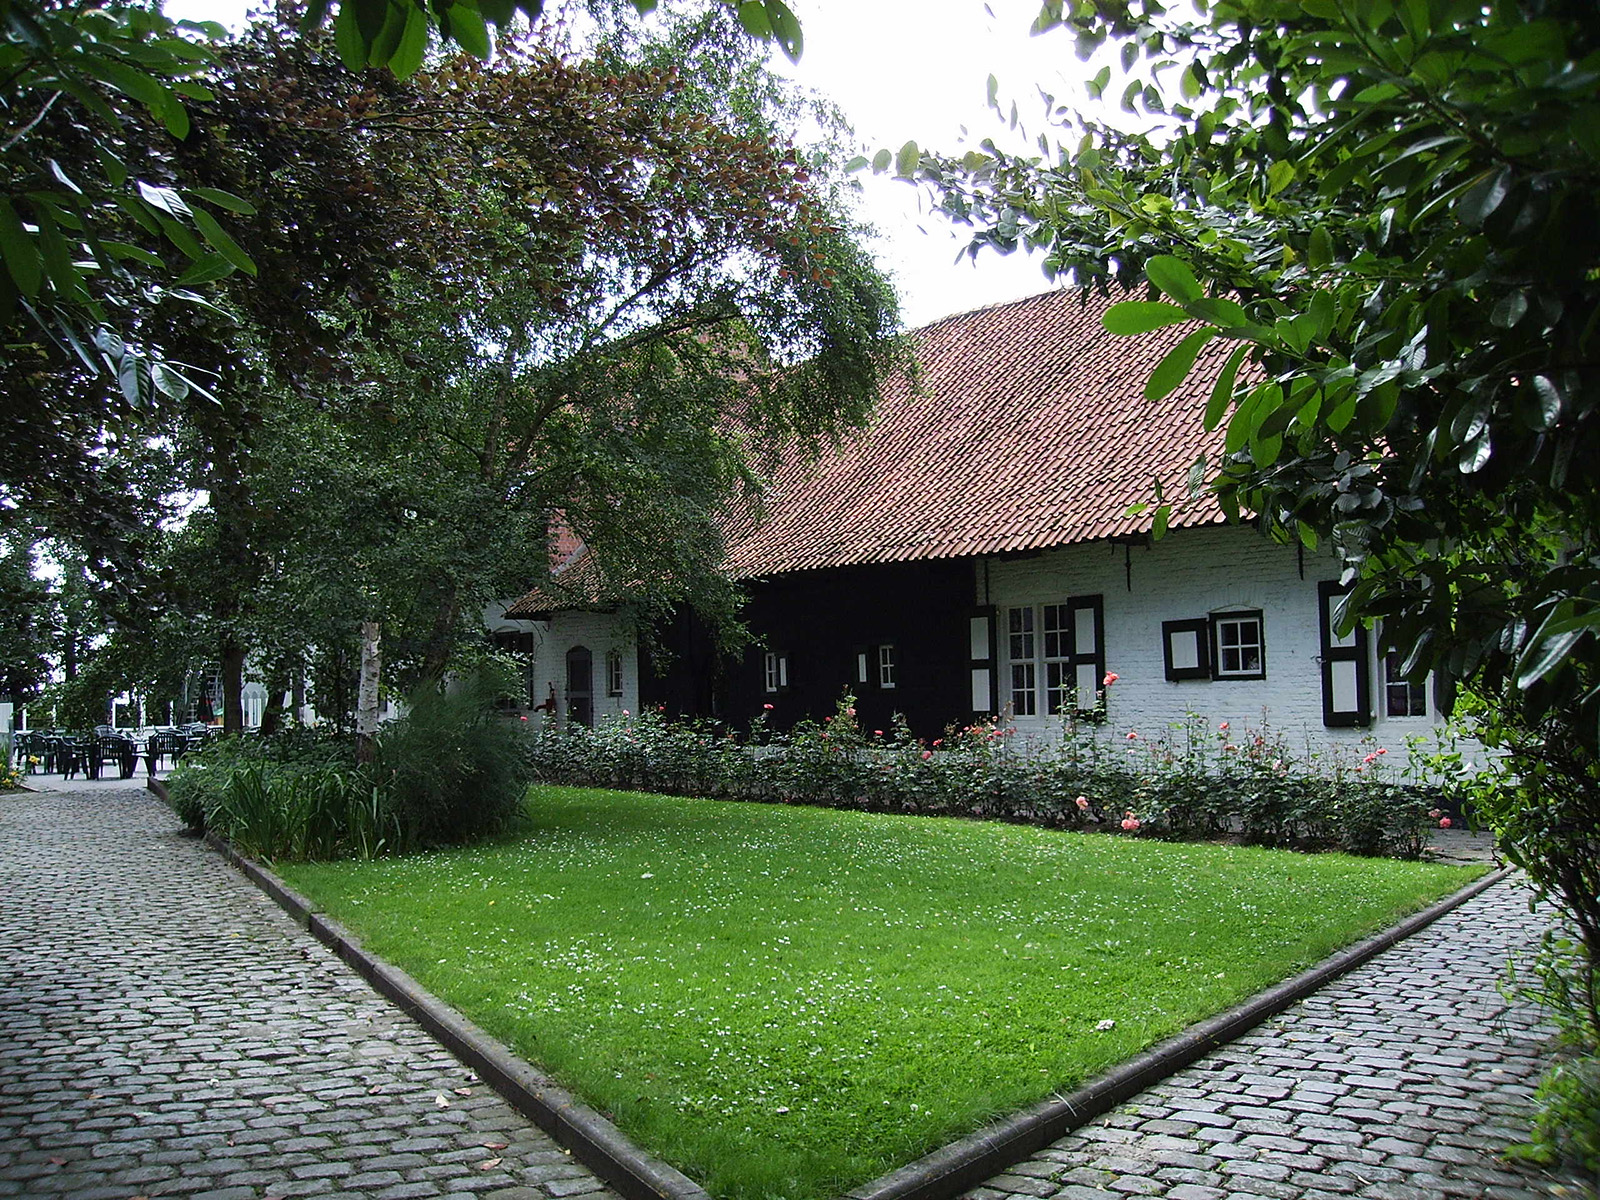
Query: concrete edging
point(953, 1169)
point(941, 1175)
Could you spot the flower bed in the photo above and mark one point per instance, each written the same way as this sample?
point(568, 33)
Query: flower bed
point(1191, 782)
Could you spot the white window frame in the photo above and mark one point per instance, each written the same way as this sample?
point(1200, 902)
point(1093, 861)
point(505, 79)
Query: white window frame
point(886, 665)
point(775, 669)
point(1221, 650)
point(613, 672)
point(1045, 644)
point(1392, 679)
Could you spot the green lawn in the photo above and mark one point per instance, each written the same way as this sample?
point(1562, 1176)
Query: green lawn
point(784, 1002)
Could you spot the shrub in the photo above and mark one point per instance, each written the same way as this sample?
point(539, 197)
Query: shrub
point(452, 770)
point(1192, 781)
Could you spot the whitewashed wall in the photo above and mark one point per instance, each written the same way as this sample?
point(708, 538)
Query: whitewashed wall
point(1189, 574)
point(600, 633)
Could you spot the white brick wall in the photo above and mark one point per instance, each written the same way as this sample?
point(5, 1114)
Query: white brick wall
point(600, 634)
point(1189, 574)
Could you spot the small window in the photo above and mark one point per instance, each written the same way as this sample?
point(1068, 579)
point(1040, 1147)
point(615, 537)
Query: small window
point(1239, 652)
point(614, 673)
point(1402, 698)
point(886, 666)
point(776, 668)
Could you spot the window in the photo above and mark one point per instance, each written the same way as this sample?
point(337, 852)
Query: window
point(1060, 644)
point(1238, 650)
point(776, 671)
point(875, 666)
point(1402, 698)
point(1024, 671)
point(614, 673)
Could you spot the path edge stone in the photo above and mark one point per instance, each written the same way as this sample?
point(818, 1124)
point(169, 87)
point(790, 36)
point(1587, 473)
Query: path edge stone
point(963, 1164)
point(593, 1140)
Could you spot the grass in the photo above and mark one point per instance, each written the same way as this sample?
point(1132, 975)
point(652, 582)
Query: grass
point(784, 1002)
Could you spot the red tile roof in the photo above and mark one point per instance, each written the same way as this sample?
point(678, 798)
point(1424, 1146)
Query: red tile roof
point(1030, 430)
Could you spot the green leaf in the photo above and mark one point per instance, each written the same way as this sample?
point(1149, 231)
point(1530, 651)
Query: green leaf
point(1319, 253)
point(881, 161)
point(1158, 526)
point(1173, 369)
point(224, 199)
point(1539, 404)
point(347, 39)
point(212, 230)
point(1174, 277)
point(905, 163)
point(1545, 653)
point(1512, 307)
point(468, 29)
point(206, 269)
point(785, 29)
point(413, 43)
point(1279, 176)
point(168, 382)
point(1483, 196)
point(20, 252)
point(163, 198)
point(1141, 316)
point(753, 16)
point(1222, 390)
point(1219, 310)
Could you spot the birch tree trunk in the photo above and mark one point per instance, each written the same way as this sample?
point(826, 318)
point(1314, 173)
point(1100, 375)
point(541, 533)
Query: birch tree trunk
point(367, 695)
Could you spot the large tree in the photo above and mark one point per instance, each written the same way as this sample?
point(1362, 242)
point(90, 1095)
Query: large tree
point(466, 325)
point(1390, 206)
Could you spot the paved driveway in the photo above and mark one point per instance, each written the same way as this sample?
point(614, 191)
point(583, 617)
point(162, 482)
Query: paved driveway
point(166, 1030)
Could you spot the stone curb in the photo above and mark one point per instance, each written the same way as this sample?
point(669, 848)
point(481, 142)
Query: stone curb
point(961, 1165)
point(942, 1175)
point(593, 1140)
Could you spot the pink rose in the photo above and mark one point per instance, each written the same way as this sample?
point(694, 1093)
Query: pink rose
point(1111, 677)
point(926, 755)
point(1082, 802)
point(1130, 823)
point(877, 733)
point(1370, 759)
point(1223, 727)
point(626, 713)
point(1132, 736)
point(1444, 822)
point(767, 707)
point(522, 718)
point(938, 741)
point(1382, 750)
point(1435, 813)
point(849, 712)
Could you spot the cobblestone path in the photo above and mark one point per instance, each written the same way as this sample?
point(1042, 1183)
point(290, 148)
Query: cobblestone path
point(1400, 1081)
point(166, 1031)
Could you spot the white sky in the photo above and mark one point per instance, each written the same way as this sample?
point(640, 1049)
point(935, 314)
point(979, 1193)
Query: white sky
point(909, 70)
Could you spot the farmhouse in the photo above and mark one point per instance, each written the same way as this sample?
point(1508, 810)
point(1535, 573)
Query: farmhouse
point(973, 553)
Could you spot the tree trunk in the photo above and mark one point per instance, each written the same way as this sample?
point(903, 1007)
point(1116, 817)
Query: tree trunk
point(367, 696)
point(277, 685)
point(298, 698)
point(232, 684)
point(437, 657)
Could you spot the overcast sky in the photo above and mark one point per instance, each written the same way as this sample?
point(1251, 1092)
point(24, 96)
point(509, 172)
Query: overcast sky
point(901, 70)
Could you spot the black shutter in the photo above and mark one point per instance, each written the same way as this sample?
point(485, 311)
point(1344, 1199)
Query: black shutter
point(1186, 649)
point(1346, 673)
point(981, 657)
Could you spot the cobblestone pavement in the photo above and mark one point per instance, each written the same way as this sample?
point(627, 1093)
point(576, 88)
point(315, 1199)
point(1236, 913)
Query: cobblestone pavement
point(1401, 1081)
point(165, 1030)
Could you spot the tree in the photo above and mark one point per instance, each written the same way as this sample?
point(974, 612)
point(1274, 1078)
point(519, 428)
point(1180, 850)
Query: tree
point(1390, 206)
point(618, 362)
